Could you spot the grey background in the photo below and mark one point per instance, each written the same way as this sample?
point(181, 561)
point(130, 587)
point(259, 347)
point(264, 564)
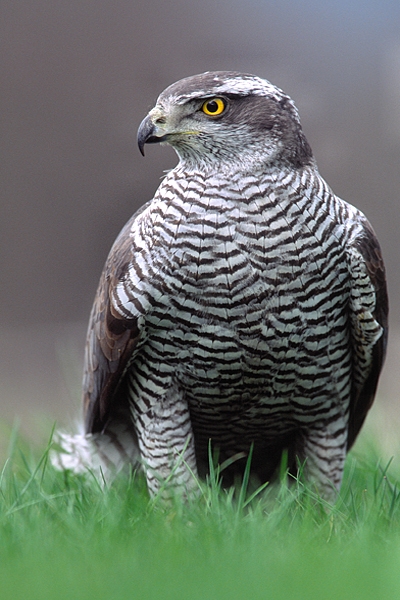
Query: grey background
point(77, 77)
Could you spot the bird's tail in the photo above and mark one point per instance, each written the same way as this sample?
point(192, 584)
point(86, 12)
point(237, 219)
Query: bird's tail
point(104, 454)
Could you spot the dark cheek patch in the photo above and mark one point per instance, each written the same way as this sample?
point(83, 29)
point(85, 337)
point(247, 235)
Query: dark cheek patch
point(259, 114)
point(263, 115)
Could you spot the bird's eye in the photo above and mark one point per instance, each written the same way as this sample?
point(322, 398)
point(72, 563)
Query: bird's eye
point(214, 107)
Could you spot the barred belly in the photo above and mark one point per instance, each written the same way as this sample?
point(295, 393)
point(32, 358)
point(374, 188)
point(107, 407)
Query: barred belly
point(253, 336)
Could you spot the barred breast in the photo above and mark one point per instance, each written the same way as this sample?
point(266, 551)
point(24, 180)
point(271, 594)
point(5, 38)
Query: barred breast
point(240, 289)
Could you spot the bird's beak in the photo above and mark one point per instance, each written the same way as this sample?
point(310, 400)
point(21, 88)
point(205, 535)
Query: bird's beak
point(149, 133)
point(157, 127)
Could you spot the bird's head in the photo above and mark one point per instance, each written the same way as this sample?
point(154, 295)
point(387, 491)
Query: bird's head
point(226, 116)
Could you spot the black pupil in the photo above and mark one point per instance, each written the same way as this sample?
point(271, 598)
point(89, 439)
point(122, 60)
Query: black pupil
point(212, 106)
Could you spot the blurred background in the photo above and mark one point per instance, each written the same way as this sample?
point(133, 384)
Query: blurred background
point(77, 77)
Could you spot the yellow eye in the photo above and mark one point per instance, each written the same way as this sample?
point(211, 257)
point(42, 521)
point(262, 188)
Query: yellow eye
point(214, 107)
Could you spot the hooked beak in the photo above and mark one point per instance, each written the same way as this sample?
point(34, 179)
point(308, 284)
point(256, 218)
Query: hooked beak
point(147, 134)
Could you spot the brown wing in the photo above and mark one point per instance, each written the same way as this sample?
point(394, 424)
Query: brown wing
point(111, 338)
point(365, 347)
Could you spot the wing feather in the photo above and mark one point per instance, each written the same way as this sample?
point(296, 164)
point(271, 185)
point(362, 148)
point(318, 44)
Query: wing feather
point(111, 338)
point(369, 318)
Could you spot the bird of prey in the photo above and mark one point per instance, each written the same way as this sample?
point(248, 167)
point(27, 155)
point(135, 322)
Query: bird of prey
point(244, 308)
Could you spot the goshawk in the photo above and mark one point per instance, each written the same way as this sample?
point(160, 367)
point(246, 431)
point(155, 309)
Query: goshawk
point(243, 308)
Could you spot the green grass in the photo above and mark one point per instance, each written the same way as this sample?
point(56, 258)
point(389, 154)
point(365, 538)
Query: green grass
point(69, 537)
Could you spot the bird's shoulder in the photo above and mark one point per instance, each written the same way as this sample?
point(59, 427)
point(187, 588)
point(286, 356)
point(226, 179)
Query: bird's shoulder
point(112, 336)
